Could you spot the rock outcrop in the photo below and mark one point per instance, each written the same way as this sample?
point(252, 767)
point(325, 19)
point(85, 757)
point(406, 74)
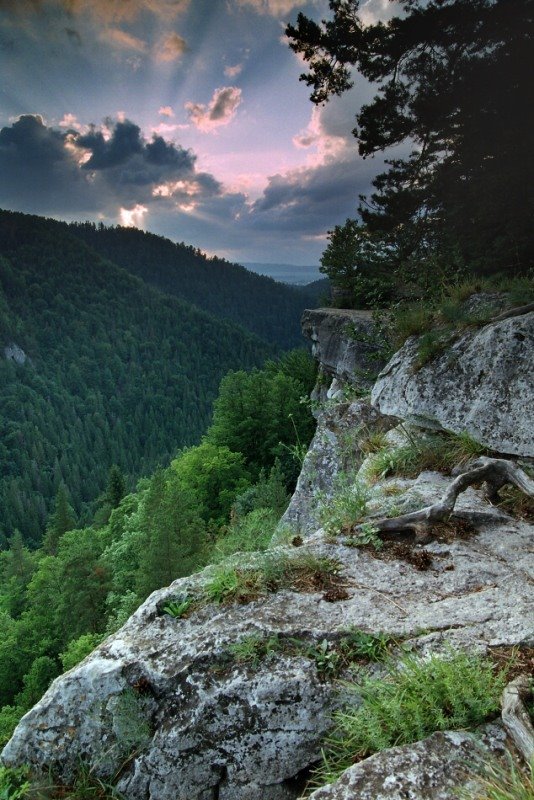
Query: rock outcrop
point(166, 710)
point(12, 352)
point(344, 344)
point(482, 383)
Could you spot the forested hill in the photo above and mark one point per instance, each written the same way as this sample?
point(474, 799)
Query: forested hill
point(115, 372)
point(269, 309)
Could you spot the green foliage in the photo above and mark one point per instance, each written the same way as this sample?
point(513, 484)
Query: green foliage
point(14, 783)
point(260, 414)
point(250, 533)
point(442, 71)
point(269, 573)
point(269, 492)
point(215, 476)
point(345, 508)
point(35, 683)
point(78, 649)
point(268, 309)
point(415, 698)
point(355, 262)
point(178, 606)
point(439, 452)
point(117, 372)
point(253, 649)
point(367, 534)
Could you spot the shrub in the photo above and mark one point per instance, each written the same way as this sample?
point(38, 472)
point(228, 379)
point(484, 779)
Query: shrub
point(253, 532)
point(415, 698)
point(345, 508)
point(14, 783)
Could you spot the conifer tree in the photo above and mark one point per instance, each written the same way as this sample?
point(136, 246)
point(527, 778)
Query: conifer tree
point(62, 520)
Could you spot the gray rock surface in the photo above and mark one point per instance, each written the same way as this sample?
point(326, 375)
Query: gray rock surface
point(12, 352)
point(207, 726)
point(333, 450)
point(433, 769)
point(483, 384)
point(344, 342)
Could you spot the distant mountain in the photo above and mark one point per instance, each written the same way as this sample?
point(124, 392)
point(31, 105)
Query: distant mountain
point(229, 291)
point(96, 368)
point(286, 273)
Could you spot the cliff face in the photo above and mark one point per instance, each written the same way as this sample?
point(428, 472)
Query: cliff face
point(175, 709)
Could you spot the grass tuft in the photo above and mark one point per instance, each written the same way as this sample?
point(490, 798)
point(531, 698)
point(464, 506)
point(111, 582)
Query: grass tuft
point(415, 698)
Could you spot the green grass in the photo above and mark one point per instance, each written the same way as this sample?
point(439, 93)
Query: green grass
point(439, 452)
point(344, 509)
point(500, 783)
point(415, 698)
point(331, 657)
point(439, 320)
point(303, 571)
point(178, 606)
point(253, 649)
point(18, 784)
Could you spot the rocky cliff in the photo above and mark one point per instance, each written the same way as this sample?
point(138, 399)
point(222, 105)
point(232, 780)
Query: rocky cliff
point(233, 699)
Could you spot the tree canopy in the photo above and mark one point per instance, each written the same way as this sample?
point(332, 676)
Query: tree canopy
point(454, 84)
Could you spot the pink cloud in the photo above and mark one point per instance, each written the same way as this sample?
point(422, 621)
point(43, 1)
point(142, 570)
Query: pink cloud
point(218, 112)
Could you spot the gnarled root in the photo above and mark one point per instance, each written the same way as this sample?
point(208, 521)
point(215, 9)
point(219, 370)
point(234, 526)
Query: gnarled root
point(495, 472)
point(515, 717)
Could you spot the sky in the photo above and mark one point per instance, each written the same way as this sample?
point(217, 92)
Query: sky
point(183, 117)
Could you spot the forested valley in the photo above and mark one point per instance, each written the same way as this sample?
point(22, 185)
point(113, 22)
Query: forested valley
point(112, 370)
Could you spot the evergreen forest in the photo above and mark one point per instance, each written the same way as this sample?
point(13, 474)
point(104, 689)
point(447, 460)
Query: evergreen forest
point(110, 368)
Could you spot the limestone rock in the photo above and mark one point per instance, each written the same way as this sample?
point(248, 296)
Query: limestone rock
point(483, 384)
point(432, 769)
point(344, 342)
point(12, 352)
point(160, 699)
point(333, 449)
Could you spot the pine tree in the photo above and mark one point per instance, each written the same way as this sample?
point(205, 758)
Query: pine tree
point(62, 520)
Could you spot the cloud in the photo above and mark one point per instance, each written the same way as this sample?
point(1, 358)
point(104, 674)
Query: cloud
point(109, 167)
point(373, 11)
point(170, 47)
point(70, 121)
point(166, 111)
point(275, 8)
point(123, 40)
point(219, 111)
point(106, 11)
point(233, 72)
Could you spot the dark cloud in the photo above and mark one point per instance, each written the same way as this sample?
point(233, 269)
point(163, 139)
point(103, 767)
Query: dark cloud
point(50, 171)
point(38, 172)
point(122, 145)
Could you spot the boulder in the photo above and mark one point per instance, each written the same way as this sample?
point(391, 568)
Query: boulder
point(481, 384)
point(435, 768)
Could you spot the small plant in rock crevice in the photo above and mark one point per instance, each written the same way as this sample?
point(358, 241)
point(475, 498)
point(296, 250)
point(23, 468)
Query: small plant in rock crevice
point(347, 506)
point(178, 606)
point(331, 656)
point(302, 572)
point(18, 784)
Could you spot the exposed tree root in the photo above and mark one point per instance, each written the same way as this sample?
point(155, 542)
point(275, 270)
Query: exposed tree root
point(515, 716)
point(495, 472)
point(518, 311)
